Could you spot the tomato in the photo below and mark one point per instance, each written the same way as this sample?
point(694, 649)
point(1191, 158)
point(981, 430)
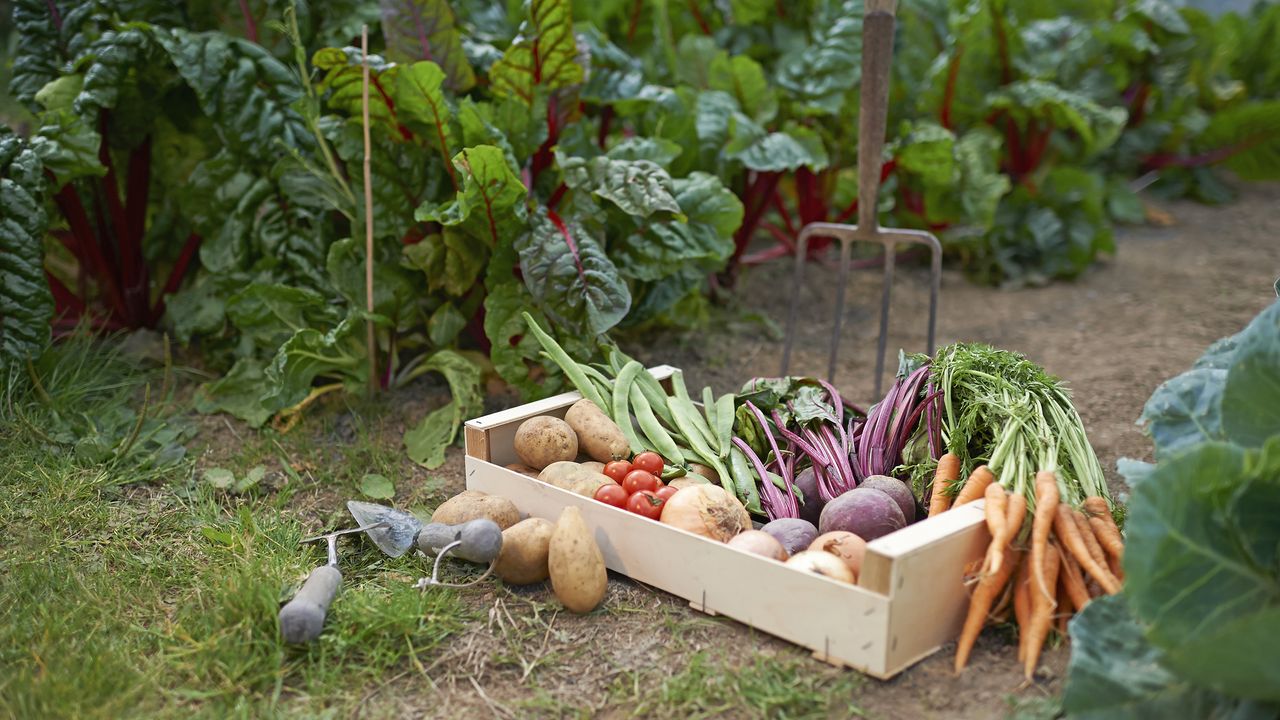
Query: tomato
point(648, 461)
point(612, 494)
point(645, 503)
point(665, 492)
point(617, 470)
point(638, 480)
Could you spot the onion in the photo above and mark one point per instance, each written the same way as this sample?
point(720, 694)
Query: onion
point(845, 545)
point(706, 510)
point(822, 563)
point(759, 542)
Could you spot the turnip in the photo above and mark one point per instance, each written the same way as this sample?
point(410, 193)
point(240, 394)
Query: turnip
point(865, 512)
point(794, 534)
point(897, 490)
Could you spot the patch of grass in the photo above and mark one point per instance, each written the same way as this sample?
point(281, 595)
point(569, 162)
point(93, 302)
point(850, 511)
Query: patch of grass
point(765, 687)
point(1033, 708)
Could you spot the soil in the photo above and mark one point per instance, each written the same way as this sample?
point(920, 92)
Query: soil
point(1114, 334)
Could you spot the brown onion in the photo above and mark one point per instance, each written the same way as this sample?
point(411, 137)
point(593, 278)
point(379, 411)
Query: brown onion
point(759, 542)
point(822, 563)
point(706, 510)
point(845, 545)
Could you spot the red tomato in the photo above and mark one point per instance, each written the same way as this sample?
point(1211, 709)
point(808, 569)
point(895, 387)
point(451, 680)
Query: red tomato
point(665, 492)
point(617, 470)
point(638, 480)
point(645, 503)
point(648, 461)
point(612, 494)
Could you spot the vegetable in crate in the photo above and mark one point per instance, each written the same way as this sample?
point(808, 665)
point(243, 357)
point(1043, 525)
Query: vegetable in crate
point(575, 564)
point(865, 512)
point(597, 433)
point(543, 440)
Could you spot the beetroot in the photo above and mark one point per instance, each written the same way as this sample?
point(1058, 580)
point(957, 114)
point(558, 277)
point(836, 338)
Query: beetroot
point(794, 534)
point(897, 490)
point(807, 482)
point(865, 512)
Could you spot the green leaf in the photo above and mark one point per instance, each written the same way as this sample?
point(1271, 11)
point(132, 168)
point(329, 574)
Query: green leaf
point(445, 324)
point(1250, 132)
point(404, 174)
point(658, 150)
point(339, 353)
point(68, 146)
point(749, 12)
point(743, 78)
point(239, 392)
point(927, 149)
point(570, 276)
point(1200, 564)
point(1185, 411)
point(377, 487)
point(342, 79)
point(196, 311)
point(776, 151)
point(1251, 395)
point(419, 95)
point(819, 74)
point(488, 207)
point(542, 56)
point(637, 187)
point(245, 91)
point(250, 480)
point(1116, 674)
point(611, 75)
point(982, 183)
point(40, 54)
point(1096, 126)
point(512, 346)
point(393, 288)
point(26, 305)
point(426, 30)
point(220, 478)
point(1123, 204)
point(427, 441)
point(269, 314)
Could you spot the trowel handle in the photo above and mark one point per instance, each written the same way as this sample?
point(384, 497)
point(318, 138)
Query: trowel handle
point(303, 617)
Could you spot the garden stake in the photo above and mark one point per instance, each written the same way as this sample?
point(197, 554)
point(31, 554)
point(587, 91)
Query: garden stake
point(368, 216)
point(303, 617)
point(877, 53)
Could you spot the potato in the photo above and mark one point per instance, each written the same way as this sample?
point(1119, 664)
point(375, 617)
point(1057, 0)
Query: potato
point(523, 560)
point(472, 504)
point(543, 440)
point(573, 477)
point(707, 472)
point(523, 469)
point(681, 483)
point(593, 466)
point(598, 435)
point(575, 564)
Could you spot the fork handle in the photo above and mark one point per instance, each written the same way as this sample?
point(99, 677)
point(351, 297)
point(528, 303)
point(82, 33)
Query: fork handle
point(873, 110)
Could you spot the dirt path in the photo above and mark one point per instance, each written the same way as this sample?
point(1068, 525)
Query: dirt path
point(1115, 334)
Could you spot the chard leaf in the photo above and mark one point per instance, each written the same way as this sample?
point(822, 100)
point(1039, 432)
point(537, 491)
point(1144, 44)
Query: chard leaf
point(1096, 126)
point(1185, 411)
point(982, 183)
point(1250, 132)
point(928, 150)
point(776, 151)
point(343, 81)
point(68, 146)
point(338, 353)
point(403, 175)
point(819, 74)
point(41, 52)
point(197, 311)
point(26, 305)
point(658, 150)
point(427, 441)
point(1201, 565)
point(419, 94)
point(392, 287)
point(637, 187)
point(513, 348)
point(426, 30)
point(611, 75)
point(445, 324)
point(488, 207)
point(569, 275)
point(749, 12)
point(247, 93)
point(240, 393)
point(543, 54)
point(743, 78)
point(268, 314)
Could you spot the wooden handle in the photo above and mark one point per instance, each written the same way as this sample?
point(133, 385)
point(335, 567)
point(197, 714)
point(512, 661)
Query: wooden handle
point(303, 617)
point(877, 57)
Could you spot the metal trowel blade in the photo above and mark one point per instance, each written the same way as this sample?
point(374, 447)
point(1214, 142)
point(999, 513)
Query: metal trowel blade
point(397, 528)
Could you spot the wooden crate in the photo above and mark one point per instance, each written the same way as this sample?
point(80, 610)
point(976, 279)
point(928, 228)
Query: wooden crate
point(909, 600)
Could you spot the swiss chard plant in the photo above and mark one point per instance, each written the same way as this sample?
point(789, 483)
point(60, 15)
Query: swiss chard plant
point(1189, 634)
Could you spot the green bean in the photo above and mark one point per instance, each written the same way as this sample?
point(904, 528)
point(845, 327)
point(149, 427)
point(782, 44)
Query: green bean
point(662, 442)
point(621, 407)
point(656, 396)
point(744, 483)
point(709, 409)
point(724, 422)
point(686, 417)
point(571, 369)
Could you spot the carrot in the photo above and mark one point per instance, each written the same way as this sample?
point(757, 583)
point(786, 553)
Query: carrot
point(1015, 515)
point(975, 486)
point(1104, 527)
point(1041, 524)
point(1069, 535)
point(989, 586)
point(1066, 608)
point(994, 509)
point(1073, 581)
point(1042, 605)
point(1095, 548)
point(1022, 606)
point(947, 473)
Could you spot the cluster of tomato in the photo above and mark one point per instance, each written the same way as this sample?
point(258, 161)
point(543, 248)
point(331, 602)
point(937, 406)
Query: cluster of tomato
point(639, 486)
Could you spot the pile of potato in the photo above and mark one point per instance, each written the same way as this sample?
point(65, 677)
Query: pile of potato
point(535, 549)
point(549, 448)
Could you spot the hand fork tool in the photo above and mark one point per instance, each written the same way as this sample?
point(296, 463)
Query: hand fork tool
point(877, 55)
point(302, 618)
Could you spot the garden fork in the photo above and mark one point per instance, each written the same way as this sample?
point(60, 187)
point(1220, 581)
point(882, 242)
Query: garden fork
point(877, 54)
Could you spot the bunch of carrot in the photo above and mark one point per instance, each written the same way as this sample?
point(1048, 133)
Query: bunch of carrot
point(1067, 557)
